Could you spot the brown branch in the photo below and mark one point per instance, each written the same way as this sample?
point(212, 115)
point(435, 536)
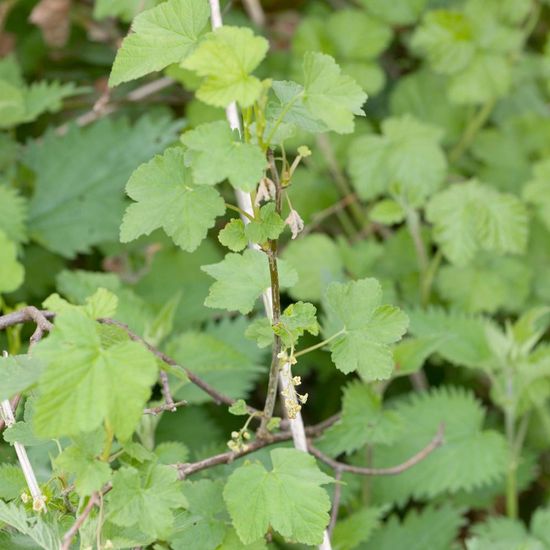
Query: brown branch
point(166, 407)
point(394, 470)
point(29, 313)
point(317, 429)
point(103, 106)
point(71, 533)
point(24, 315)
point(167, 394)
point(187, 469)
point(333, 209)
point(255, 11)
point(335, 500)
point(95, 499)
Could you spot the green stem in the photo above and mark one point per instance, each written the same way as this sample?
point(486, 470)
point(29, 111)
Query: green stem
point(239, 210)
point(429, 276)
point(476, 123)
point(413, 225)
point(320, 344)
point(109, 435)
point(357, 212)
point(510, 426)
point(532, 20)
point(273, 380)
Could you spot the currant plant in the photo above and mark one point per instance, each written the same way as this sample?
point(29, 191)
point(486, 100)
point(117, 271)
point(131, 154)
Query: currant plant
point(247, 306)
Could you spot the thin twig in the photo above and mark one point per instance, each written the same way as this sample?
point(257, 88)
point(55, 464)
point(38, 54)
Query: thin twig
point(339, 177)
point(436, 442)
point(335, 500)
point(255, 12)
point(71, 533)
point(104, 106)
point(167, 394)
point(23, 316)
point(188, 469)
point(29, 313)
point(327, 212)
point(95, 499)
point(166, 407)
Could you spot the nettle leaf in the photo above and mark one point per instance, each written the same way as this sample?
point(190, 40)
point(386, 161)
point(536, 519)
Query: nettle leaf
point(501, 532)
point(488, 284)
point(317, 261)
point(145, 498)
point(295, 320)
point(433, 528)
point(18, 373)
point(356, 528)
point(225, 58)
point(233, 235)
point(289, 498)
point(363, 422)
point(13, 214)
point(167, 197)
point(44, 535)
point(89, 380)
point(161, 36)
point(80, 459)
point(367, 328)
point(241, 279)
point(330, 96)
point(406, 159)
point(269, 225)
point(12, 272)
point(469, 457)
point(461, 339)
point(216, 153)
point(537, 191)
point(411, 354)
point(170, 452)
point(20, 103)
point(473, 216)
point(79, 200)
